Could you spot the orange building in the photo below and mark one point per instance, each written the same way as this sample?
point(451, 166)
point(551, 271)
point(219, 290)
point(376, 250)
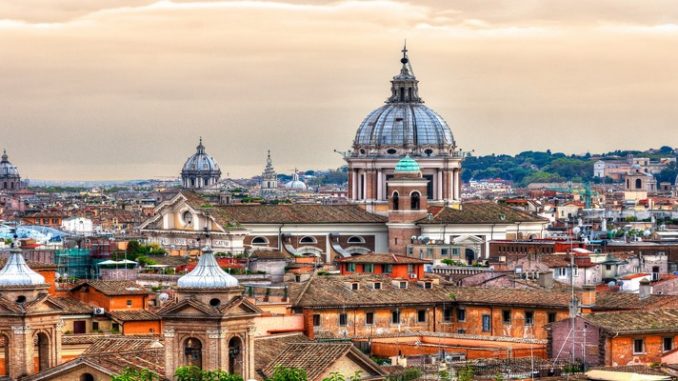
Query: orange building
point(639, 337)
point(135, 322)
point(394, 266)
point(112, 295)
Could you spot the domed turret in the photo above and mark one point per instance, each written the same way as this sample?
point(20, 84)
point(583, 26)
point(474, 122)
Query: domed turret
point(207, 274)
point(200, 170)
point(407, 165)
point(9, 174)
point(16, 273)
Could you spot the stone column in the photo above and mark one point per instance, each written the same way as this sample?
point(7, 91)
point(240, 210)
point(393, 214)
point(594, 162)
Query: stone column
point(249, 370)
point(439, 186)
point(171, 353)
point(354, 185)
point(380, 186)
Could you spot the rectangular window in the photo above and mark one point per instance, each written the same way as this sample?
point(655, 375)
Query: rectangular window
point(410, 269)
point(421, 316)
point(561, 272)
point(343, 319)
point(115, 327)
point(129, 303)
point(486, 323)
point(427, 284)
point(608, 267)
point(388, 269)
point(461, 331)
point(354, 286)
point(395, 317)
point(506, 316)
point(575, 271)
point(638, 346)
point(455, 252)
point(461, 314)
point(377, 285)
point(447, 314)
point(668, 344)
point(368, 267)
point(552, 317)
point(529, 317)
point(369, 318)
point(410, 251)
point(351, 267)
point(403, 284)
point(444, 252)
point(95, 326)
point(316, 320)
point(429, 252)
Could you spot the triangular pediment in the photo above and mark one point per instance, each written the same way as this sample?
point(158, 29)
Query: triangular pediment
point(188, 308)
point(241, 306)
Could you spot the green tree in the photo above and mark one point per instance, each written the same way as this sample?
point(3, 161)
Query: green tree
point(133, 374)
point(466, 373)
point(281, 373)
point(193, 373)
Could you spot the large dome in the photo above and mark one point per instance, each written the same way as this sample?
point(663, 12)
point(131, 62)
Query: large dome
point(404, 125)
point(16, 273)
point(7, 169)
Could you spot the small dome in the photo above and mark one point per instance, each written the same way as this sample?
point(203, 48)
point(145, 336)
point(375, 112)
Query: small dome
point(201, 162)
point(7, 169)
point(295, 183)
point(407, 165)
point(207, 274)
point(17, 273)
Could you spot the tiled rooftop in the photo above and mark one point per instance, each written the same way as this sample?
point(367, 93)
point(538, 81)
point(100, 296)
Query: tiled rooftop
point(480, 212)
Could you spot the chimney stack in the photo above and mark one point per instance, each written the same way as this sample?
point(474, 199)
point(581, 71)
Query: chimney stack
point(588, 296)
point(645, 289)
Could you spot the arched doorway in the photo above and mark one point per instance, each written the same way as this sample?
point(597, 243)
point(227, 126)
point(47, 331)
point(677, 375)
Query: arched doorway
point(4, 341)
point(396, 199)
point(193, 352)
point(470, 256)
point(42, 350)
point(235, 355)
point(86, 377)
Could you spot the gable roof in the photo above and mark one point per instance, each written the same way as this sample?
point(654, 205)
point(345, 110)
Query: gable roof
point(316, 358)
point(114, 287)
point(294, 214)
point(480, 212)
point(636, 322)
point(383, 258)
point(267, 348)
point(332, 291)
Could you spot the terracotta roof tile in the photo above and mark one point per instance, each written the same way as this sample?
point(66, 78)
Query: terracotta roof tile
point(266, 348)
point(114, 287)
point(133, 315)
point(312, 357)
point(636, 322)
point(383, 258)
point(481, 212)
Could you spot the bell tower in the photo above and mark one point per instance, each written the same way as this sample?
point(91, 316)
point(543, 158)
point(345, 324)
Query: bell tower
point(211, 324)
point(30, 323)
point(407, 200)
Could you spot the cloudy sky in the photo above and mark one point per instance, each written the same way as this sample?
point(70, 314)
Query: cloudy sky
point(115, 89)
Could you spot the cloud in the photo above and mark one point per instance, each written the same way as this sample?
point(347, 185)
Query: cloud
point(122, 89)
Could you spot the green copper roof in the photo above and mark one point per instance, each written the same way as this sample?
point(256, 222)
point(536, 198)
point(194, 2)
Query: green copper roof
point(407, 165)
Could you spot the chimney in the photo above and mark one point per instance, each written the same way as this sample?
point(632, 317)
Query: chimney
point(546, 280)
point(588, 296)
point(645, 289)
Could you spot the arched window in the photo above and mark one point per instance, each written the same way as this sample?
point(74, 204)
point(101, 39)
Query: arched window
point(259, 240)
point(86, 377)
point(402, 94)
point(42, 344)
point(356, 239)
point(639, 183)
point(628, 183)
point(307, 240)
point(193, 352)
point(235, 355)
point(187, 217)
point(409, 94)
point(414, 201)
point(396, 199)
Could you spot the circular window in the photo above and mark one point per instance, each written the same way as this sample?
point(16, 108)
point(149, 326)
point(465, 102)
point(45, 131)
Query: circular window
point(21, 299)
point(362, 151)
point(391, 151)
point(187, 217)
point(214, 302)
point(428, 152)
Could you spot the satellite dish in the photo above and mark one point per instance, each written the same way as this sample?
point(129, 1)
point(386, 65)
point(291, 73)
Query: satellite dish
point(426, 239)
point(647, 233)
point(163, 297)
point(611, 284)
